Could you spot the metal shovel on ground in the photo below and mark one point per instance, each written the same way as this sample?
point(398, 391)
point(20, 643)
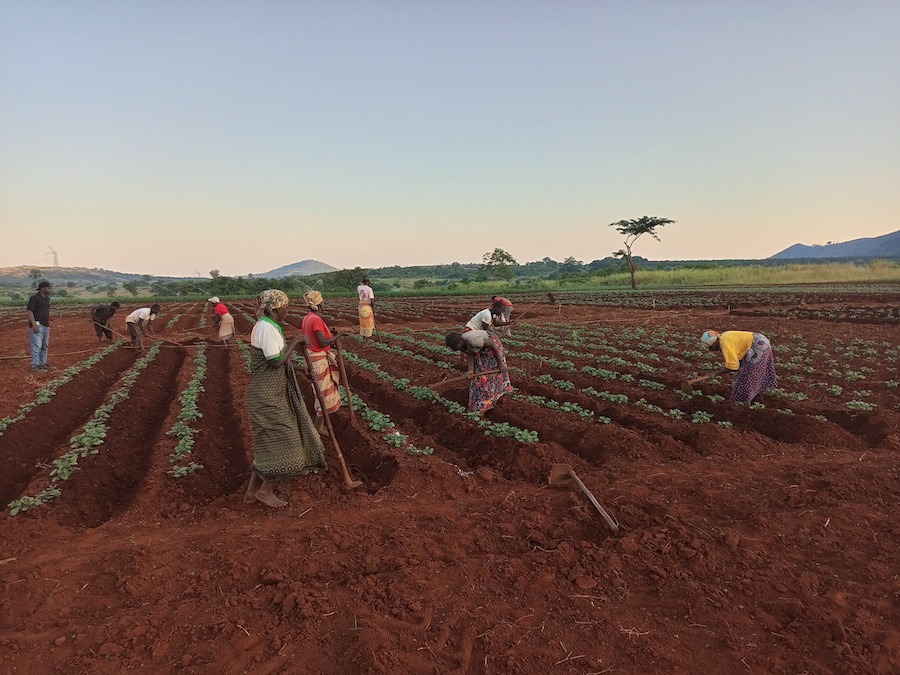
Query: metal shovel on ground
point(560, 474)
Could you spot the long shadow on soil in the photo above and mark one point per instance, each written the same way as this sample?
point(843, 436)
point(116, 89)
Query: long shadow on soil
point(28, 442)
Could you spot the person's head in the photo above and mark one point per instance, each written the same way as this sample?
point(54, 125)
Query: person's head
point(154, 310)
point(497, 307)
point(44, 287)
point(454, 341)
point(214, 299)
point(114, 306)
point(495, 298)
point(272, 303)
point(313, 300)
point(366, 281)
point(711, 339)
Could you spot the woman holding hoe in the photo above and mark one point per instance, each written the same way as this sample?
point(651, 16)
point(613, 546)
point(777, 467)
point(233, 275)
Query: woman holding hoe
point(484, 351)
point(749, 356)
point(285, 442)
point(323, 362)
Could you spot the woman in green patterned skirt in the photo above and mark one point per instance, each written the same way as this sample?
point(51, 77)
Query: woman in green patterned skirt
point(285, 442)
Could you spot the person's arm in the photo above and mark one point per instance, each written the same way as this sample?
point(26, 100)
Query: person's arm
point(500, 363)
point(32, 324)
point(217, 319)
point(323, 341)
point(149, 330)
point(288, 352)
point(497, 320)
point(471, 359)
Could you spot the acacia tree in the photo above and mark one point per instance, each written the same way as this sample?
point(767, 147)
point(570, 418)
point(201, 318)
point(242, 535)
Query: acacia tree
point(499, 263)
point(633, 229)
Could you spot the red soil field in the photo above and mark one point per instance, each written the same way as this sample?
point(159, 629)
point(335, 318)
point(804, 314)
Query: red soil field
point(764, 540)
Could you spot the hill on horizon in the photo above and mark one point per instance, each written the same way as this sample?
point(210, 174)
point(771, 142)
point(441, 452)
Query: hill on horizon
point(80, 275)
point(885, 246)
point(300, 269)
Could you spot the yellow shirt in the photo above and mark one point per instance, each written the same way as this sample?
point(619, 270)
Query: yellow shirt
point(735, 344)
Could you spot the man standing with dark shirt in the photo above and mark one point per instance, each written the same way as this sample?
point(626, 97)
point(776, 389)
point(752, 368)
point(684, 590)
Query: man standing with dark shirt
point(100, 316)
point(38, 309)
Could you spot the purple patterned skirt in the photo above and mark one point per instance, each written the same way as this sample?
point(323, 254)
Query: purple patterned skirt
point(486, 390)
point(756, 371)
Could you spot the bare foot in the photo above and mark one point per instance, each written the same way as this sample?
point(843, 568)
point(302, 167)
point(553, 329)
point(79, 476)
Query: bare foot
point(270, 500)
point(255, 483)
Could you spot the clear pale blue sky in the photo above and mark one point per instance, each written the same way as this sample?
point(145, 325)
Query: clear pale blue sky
point(166, 137)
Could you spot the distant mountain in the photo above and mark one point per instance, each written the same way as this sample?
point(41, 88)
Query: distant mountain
point(300, 269)
point(77, 275)
point(885, 246)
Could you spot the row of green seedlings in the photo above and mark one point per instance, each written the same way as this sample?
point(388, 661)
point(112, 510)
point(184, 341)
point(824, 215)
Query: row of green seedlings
point(243, 347)
point(49, 389)
point(381, 422)
point(87, 441)
point(421, 393)
point(190, 412)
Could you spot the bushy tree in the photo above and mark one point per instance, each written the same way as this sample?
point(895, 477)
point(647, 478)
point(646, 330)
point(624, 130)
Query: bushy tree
point(570, 265)
point(633, 229)
point(132, 287)
point(499, 263)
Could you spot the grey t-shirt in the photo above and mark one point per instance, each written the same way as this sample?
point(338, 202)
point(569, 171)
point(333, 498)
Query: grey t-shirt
point(475, 340)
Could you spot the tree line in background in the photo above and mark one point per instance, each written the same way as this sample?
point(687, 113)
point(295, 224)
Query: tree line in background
point(497, 265)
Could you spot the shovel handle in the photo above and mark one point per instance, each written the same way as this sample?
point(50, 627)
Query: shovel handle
point(606, 517)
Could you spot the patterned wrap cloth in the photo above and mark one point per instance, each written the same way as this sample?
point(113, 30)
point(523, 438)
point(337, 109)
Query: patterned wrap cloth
point(285, 442)
point(325, 369)
point(366, 318)
point(313, 298)
point(486, 390)
point(269, 300)
point(756, 372)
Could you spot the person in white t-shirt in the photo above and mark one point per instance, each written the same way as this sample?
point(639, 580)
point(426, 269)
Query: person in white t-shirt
point(487, 318)
point(366, 309)
point(138, 324)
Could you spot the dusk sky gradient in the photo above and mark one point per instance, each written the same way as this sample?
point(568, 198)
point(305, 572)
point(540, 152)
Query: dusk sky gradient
point(169, 137)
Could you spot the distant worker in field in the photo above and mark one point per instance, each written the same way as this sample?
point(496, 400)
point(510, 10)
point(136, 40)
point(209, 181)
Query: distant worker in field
point(223, 319)
point(139, 324)
point(484, 352)
point(507, 311)
point(38, 311)
point(100, 316)
point(323, 361)
point(487, 318)
point(285, 442)
point(366, 309)
point(749, 356)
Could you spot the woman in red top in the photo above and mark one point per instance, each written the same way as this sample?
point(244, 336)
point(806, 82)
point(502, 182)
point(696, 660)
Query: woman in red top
point(322, 360)
point(223, 319)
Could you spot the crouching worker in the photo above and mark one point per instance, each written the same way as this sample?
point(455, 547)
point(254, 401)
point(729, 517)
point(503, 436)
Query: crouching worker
point(139, 322)
point(749, 356)
point(484, 351)
point(100, 316)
